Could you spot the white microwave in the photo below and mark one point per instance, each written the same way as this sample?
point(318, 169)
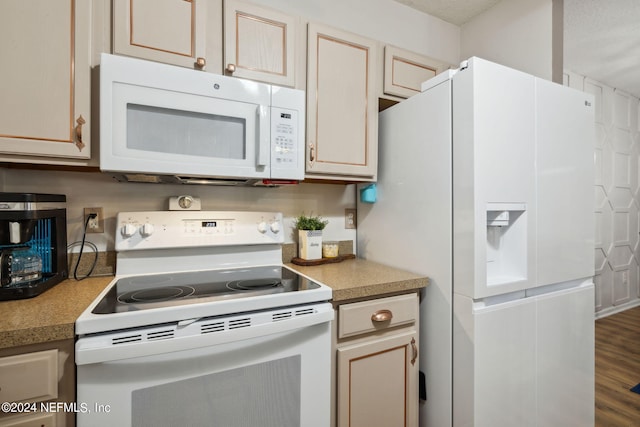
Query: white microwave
point(162, 123)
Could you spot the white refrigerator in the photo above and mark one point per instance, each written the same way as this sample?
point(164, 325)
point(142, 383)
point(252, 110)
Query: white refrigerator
point(485, 185)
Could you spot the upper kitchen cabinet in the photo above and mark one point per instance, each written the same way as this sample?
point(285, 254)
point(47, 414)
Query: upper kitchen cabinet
point(404, 71)
point(45, 85)
point(170, 31)
point(262, 44)
point(342, 105)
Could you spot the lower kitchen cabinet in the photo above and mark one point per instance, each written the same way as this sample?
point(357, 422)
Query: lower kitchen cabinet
point(377, 362)
point(38, 383)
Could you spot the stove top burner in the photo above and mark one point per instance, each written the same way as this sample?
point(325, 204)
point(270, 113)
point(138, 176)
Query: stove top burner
point(253, 284)
point(156, 294)
point(146, 292)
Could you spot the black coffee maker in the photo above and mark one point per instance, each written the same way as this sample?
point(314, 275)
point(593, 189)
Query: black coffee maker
point(33, 243)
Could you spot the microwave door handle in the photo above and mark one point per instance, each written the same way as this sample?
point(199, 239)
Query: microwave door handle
point(263, 136)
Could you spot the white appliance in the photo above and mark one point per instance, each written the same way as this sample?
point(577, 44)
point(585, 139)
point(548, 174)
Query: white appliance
point(202, 326)
point(162, 123)
point(486, 186)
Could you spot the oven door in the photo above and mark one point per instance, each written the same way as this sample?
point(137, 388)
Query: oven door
point(263, 369)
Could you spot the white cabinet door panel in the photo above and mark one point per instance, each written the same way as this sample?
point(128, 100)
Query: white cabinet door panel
point(405, 71)
point(171, 31)
point(45, 86)
point(377, 382)
point(260, 43)
point(342, 125)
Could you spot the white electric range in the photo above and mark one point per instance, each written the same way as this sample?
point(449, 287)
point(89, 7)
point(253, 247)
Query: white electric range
point(204, 325)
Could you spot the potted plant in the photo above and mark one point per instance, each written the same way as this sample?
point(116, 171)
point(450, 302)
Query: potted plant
point(310, 236)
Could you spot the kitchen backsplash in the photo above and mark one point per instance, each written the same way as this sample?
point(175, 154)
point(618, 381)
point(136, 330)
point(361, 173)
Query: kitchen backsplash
point(106, 261)
point(92, 189)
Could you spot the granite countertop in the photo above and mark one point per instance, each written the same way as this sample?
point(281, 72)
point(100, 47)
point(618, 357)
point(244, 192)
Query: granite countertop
point(359, 278)
point(51, 316)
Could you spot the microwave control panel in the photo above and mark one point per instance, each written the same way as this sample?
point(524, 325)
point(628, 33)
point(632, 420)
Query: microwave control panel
point(284, 134)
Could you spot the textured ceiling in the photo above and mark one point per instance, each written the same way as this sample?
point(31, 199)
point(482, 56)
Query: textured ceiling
point(602, 41)
point(454, 11)
point(601, 37)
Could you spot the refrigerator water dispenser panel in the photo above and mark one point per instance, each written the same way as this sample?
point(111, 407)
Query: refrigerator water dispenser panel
point(506, 243)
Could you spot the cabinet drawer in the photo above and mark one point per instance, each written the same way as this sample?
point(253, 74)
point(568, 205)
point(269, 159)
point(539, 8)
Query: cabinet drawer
point(31, 420)
point(378, 314)
point(31, 376)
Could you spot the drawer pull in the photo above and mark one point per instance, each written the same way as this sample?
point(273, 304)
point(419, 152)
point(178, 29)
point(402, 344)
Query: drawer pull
point(382, 316)
point(414, 347)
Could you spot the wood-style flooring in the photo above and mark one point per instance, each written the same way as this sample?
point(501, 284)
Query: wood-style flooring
point(618, 369)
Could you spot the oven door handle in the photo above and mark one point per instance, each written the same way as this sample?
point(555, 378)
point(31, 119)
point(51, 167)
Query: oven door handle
point(101, 348)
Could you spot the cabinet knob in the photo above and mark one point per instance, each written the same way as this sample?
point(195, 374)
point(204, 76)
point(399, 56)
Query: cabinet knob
point(231, 68)
point(382, 316)
point(201, 63)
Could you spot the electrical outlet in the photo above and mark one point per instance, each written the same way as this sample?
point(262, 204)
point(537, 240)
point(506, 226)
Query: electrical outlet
point(350, 218)
point(95, 225)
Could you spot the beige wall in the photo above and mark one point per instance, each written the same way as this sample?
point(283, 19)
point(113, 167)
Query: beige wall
point(515, 33)
point(85, 189)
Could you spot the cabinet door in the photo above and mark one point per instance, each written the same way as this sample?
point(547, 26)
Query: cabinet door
point(342, 106)
point(259, 43)
point(45, 86)
point(170, 31)
point(30, 376)
point(377, 382)
point(405, 71)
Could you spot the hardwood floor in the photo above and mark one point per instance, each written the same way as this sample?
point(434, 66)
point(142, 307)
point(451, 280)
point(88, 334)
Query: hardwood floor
point(618, 369)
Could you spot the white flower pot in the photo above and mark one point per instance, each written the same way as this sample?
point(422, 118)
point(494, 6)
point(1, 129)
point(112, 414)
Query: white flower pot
point(310, 244)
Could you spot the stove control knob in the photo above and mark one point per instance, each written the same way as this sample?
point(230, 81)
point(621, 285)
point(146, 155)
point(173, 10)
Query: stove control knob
point(146, 230)
point(128, 230)
point(262, 227)
point(275, 227)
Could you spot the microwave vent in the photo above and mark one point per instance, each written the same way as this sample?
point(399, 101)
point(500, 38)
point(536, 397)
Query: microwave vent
point(200, 180)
